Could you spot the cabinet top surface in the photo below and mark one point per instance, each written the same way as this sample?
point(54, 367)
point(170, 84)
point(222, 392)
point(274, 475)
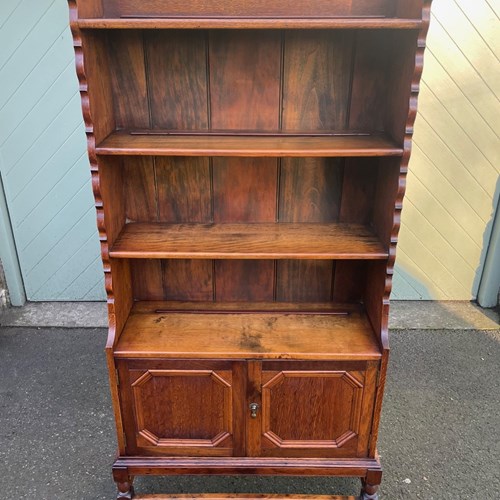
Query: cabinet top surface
point(316, 331)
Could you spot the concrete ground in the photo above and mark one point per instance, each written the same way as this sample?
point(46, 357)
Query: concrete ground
point(439, 437)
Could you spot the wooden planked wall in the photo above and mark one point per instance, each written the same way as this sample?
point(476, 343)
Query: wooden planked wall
point(452, 186)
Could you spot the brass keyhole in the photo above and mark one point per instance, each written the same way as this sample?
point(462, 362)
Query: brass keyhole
point(254, 408)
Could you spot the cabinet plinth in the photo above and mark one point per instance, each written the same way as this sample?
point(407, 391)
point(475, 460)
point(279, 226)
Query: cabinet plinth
point(248, 164)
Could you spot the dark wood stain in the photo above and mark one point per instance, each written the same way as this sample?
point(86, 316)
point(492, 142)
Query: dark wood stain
point(244, 189)
point(185, 279)
point(245, 79)
point(244, 280)
point(177, 79)
point(317, 79)
point(184, 192)
point(128, 78)
point(371, 80)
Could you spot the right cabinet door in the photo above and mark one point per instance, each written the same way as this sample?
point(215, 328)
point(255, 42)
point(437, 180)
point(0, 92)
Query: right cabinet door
point(313, 409)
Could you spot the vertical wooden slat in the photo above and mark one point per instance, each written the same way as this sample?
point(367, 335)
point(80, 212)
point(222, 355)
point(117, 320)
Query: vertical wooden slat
point(349, 281)
point(177, 83)
point(316, 89)
point(244, 94)
point(245, 79)
point(244, 280)
point(177, 79)
point(128, 77)
point(310, 191)
point(184, 196)
point(183, 189)
point(139, 189)
point(140, 197)
point(316, 80)
point(244, 191)
point(240, 378)
point(313, 188)
point(370, 81)
point(254, 395)
point(358, 192)
point(147, 282)
point(188, 279)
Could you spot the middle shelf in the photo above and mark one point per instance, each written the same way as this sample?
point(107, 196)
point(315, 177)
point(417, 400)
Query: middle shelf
point(163, 143)
point(247, 241)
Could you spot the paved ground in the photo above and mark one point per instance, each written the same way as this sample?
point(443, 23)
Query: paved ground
point(439, 439)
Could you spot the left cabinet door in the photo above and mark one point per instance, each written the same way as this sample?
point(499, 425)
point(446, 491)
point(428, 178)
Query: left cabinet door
point(182, 407)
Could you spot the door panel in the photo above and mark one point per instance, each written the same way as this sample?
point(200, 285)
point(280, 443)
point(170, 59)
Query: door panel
point(310, 410)
point(175, 409)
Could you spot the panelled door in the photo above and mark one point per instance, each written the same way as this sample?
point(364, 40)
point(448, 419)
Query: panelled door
point(182, 407)
point(311, 409)
point(252, 408)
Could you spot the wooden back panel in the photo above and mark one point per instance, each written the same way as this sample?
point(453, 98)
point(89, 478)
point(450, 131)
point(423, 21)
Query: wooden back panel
point(409, 8)
point(90, 8)
point(255, 79)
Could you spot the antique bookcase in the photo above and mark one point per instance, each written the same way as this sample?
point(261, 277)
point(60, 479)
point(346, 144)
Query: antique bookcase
point(248, 163)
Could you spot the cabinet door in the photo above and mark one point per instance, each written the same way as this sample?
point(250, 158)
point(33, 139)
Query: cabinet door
point(312, 409)
point(181, 407)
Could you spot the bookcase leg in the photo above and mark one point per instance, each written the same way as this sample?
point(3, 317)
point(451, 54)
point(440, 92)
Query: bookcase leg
point(369, 492)
point(370, 484)
point(124, 484)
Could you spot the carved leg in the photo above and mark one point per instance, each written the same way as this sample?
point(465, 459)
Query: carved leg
point(369, 492)
point(125, 491)
point(370, 485)
point(124, 483)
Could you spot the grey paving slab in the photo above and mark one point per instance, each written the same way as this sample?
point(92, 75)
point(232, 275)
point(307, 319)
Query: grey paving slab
point(449, 315)
point(414, 315)
point(56, 314)
point(438, 441)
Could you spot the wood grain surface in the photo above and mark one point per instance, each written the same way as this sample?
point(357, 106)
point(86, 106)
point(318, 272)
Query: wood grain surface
point(124, 143)
point(247, 241)
point(242, 496)
point(177, 79)
point(251, 23)
point(249, 335)
point(264, 8)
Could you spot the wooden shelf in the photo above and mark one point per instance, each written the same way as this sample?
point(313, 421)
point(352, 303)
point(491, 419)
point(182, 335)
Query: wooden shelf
point(242, 331)
point(247, 241)
point(250, 23)
point(196, 144)
point(240, 496)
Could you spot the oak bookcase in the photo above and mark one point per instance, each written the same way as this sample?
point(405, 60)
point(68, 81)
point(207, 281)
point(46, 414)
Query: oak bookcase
point(248, 163)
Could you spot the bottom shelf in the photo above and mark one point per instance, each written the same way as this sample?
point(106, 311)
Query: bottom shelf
point(248, 330)
point(241, 496)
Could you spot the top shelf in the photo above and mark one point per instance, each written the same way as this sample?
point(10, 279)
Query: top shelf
point(251, 23)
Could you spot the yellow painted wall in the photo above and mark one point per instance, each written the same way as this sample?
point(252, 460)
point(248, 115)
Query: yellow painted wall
point(453, 184)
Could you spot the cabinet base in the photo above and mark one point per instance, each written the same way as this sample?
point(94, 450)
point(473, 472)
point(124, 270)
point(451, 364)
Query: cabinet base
point(125, 468)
